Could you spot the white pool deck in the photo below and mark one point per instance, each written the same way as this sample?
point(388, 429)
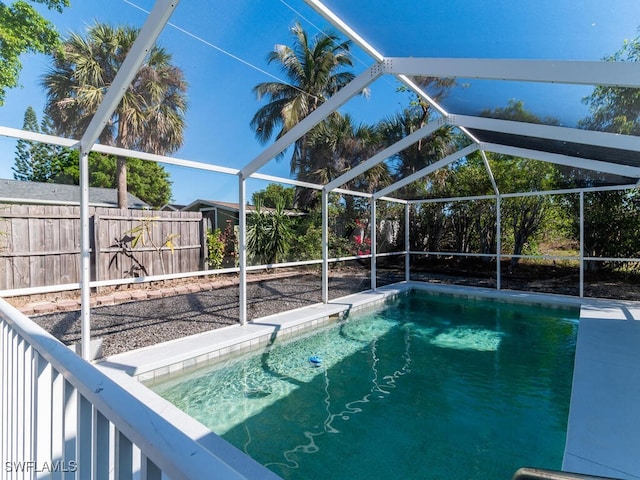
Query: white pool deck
point(603, 435)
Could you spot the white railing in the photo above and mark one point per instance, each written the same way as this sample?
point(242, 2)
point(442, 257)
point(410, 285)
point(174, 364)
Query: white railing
point(63, 418)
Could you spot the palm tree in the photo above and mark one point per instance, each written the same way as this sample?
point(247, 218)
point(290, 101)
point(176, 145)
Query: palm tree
point(150, 116)
point(313, 67)
point(337, 145)
point(421, 154)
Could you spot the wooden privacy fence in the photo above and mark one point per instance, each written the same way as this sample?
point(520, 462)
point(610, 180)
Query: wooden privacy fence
point(40, 245)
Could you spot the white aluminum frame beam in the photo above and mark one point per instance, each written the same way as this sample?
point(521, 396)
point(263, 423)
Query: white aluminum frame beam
point(337, 22)
point(487, 167)
point(443, 162)
point(152, 157)
point(562, 191)
point(550, 132)
point(586, 164)
point(388, 152)
point(149, 33)
point(38, 137)
point(350, 90)
point(341, 25)
point(620, 74)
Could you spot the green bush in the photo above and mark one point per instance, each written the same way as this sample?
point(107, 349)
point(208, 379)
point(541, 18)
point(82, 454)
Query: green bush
point(215, 248)
point(269, 234)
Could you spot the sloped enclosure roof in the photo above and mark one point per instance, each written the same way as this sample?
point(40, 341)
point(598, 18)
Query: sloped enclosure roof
point(548, 55)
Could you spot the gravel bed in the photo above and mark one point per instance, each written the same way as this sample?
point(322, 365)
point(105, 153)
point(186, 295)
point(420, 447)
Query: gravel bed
point(132, 325)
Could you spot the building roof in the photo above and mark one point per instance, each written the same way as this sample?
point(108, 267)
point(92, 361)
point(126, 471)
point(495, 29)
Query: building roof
point(38, 193)
point(172, 207)
point(200, 203)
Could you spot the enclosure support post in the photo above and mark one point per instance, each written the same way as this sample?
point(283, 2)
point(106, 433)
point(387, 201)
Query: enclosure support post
point(581, 244)
point(498, 243)
point(242, 248)
point(374, 273)
point(407, 243)
point(85, 258)
point(325, 246)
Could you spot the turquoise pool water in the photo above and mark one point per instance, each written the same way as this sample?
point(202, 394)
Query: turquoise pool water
point(428, 387)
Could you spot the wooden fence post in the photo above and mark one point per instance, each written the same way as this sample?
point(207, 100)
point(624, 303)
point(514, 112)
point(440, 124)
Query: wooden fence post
point(95, 248)
point(203, 244)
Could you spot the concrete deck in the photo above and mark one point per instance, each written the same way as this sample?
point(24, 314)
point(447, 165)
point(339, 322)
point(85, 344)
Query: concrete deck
point(603, 435)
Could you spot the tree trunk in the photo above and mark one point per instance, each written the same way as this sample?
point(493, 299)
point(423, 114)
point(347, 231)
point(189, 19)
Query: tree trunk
point(121, 182)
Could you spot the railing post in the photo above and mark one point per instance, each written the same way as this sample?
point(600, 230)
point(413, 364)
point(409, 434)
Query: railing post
point(242, 247)
point(84, 439)
point(70, 414)
point(374, 269)
point(407, 242)
point(57, 417)
point(43, 403)
point(498, 243)
point(150, 471)
point(124, 456)
point(85, 258)
point(581, 244)
point(101, 446)
point(325, 246)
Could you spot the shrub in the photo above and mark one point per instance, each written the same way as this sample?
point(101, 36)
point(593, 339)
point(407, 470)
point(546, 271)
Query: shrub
point(215, 248)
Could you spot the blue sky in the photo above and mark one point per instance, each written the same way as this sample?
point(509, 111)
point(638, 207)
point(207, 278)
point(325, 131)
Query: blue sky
point(221, 103)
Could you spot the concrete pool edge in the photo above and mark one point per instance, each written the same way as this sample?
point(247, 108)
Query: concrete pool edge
point(599, 452)
point(604, 415)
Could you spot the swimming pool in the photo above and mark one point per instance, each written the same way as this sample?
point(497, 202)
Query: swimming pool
point(430, 386)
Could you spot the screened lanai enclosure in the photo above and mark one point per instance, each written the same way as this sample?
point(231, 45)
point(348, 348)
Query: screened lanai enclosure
point(474, 143)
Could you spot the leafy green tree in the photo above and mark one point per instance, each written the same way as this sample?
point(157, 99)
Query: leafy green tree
point(35, 161)
point(150, 116)
point(616, 109)
point(611, 218)
point(610, 225)
point(315, 71)
point(523, 217)
point(24, 30)
point(307, 237)
point(29, 163)
point(515, 111)
point(148, 181)
point(479, 217)
point(274, 193)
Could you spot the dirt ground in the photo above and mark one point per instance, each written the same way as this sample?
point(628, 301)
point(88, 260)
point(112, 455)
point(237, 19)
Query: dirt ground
point(138, 323)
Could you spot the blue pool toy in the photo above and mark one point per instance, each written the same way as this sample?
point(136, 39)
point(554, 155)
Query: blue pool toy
point(315, 360)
